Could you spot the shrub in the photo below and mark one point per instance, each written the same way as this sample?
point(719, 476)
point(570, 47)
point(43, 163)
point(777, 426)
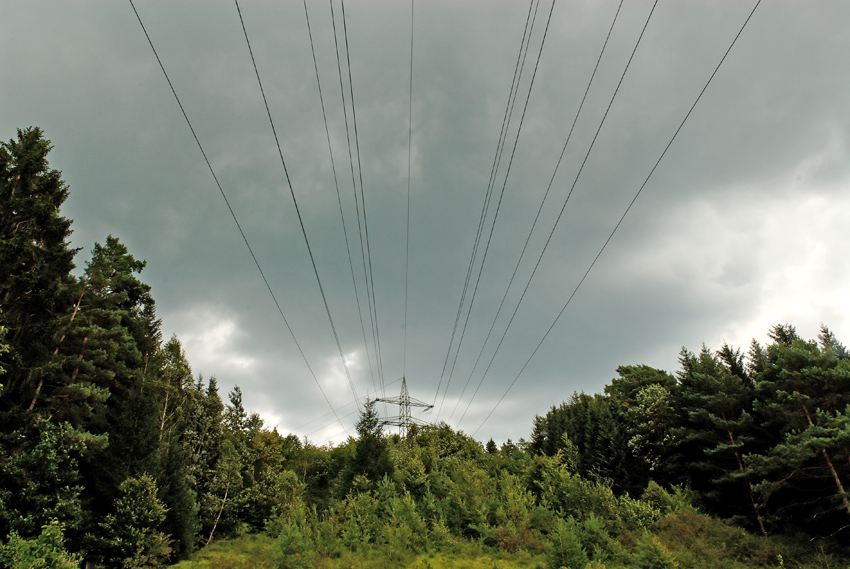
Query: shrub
point(47, 551)
point(652, 554)
point(292, 548)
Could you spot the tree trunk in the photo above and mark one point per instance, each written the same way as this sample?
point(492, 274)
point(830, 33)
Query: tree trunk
point(747, 478)
point(162, 419)
point(56, 351)
point(218, 517)
point(829, 464)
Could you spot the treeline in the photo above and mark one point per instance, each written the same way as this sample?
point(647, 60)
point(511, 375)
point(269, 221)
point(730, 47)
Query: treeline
point(762, 438)
point(107, 441)
point(113, 454)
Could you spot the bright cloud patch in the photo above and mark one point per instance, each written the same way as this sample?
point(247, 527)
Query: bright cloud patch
point(210, 339)
point(766, 260)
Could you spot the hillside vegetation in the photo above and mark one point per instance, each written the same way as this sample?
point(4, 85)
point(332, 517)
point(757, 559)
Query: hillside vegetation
point(112, 451)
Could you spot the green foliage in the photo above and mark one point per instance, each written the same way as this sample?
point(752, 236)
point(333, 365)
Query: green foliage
point(41, 478)
point(513, 504)
point(36, 279)
point(565, 548)
point(371, 460)
point(652, 554)
point(678, 501)
point(572, 496)
point(45, 551)
point(281, 494)
point(593, 433)
point(132, 536)
point(245, 552)
point(104, 429)
point(292, 548)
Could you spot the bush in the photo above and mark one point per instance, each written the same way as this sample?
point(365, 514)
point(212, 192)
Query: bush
point(570, 495)
point(679, 501)
point(292, 548)
point(47, 551)
point(652, 554)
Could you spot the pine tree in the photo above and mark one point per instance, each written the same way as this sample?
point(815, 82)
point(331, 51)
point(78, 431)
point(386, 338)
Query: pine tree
point(716, 398)
point(803, 391)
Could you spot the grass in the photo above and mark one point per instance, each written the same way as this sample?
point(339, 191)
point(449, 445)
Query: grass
point(694, 540)
point(257, 551)
point(244, 552)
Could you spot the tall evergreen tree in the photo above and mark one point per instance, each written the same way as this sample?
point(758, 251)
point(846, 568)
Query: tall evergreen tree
point(371, 459)
point(803, 390)
point(716, 397)
point(36, 280)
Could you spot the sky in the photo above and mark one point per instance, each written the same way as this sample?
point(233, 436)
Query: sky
point(742, 225)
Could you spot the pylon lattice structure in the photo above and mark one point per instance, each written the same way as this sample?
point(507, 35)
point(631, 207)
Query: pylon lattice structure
point(404, 402)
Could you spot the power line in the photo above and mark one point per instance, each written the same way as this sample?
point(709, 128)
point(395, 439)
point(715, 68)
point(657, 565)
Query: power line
point(537, 216)
point(362, 192)
point(233, 213)
point(502, 192)
point(518, 67)
point(617, 226)
point(297, 209)
point(361, 221)
point(338, 196)
point(566, 200)
point(409, 147)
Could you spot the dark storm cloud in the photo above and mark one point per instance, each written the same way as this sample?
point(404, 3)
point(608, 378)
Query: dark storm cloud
point(738, 229)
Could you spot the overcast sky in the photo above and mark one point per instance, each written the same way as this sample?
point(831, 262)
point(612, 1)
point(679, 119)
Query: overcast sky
point(743, 225)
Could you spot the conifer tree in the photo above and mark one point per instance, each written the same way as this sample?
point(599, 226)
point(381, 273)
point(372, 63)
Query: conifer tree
point(716, 398)
point(36, 278)
point(803, 390)
point(370, 459)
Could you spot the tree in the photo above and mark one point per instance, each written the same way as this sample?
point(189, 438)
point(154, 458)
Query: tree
point(803, 390)
point(370, 459)
point(633, 379)
point(171, 385)
point(41, 481)
point(716, 397)
point(132, 534)
point(36, 280)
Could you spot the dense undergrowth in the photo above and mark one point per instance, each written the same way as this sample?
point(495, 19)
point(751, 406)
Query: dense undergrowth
point(683, 540)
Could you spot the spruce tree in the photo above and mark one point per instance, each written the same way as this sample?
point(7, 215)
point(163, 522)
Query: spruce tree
point(36, 280)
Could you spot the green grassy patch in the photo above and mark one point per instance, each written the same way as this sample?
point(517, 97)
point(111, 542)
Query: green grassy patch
point(246, 552)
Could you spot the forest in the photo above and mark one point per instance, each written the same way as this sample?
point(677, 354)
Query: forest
point(114, 454)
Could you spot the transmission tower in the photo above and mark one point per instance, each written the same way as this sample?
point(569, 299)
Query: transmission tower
point(404, 402)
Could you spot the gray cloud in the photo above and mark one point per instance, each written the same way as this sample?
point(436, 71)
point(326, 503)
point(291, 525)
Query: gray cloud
point(739, 228)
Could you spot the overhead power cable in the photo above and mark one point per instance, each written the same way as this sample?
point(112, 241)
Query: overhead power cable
point(359, 200)
point(537, 216)
point(362, 191)
point(409, 159)
point(501, 193)
point(622, 217)
point(297, 209)
point(233, 214)
point(338, 196)
point(520, 63)
point(566, 200)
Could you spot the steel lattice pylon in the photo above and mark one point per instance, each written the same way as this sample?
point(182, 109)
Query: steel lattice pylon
point(404, 402)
